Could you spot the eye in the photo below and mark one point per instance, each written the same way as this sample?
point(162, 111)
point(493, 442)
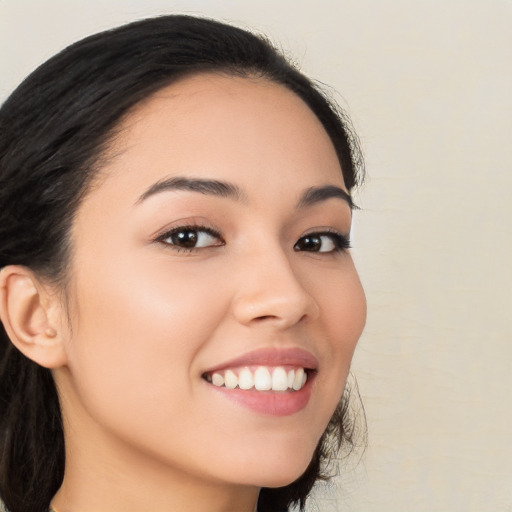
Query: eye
point(326, 241)
point(189, 238)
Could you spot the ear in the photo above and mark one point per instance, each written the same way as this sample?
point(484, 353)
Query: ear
point(31, 315)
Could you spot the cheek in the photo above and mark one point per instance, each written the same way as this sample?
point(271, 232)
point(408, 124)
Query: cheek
point(135, 337)
point(149, 309)
point(342, 305)
point(348, 314)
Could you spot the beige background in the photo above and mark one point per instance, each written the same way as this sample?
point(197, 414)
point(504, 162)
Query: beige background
point(429, 87)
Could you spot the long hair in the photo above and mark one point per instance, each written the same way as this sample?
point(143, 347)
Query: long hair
point(54, 130)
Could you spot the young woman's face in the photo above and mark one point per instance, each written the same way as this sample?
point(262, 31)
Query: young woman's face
point(212, 249)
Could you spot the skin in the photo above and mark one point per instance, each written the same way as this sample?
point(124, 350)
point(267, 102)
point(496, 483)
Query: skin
point(143, 321)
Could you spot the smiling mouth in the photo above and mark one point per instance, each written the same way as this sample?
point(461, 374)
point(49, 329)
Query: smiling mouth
point(260, 378)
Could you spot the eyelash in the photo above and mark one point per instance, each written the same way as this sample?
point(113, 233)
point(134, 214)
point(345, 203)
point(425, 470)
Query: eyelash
point(194, 228)
point(340, 242)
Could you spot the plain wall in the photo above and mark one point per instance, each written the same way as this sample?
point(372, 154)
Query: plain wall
point(428, 85)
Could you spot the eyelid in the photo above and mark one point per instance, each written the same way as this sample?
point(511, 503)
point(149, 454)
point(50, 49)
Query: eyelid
point(326, 231)
point(188, 224)
point(191, 227)
point(342, 241)
point(198, 223)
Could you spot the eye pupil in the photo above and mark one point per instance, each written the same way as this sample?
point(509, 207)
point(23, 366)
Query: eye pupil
point(185, 238)
point(311, 243)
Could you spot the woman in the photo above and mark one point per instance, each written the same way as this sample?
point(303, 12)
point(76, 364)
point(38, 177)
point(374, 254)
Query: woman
point(179, 306)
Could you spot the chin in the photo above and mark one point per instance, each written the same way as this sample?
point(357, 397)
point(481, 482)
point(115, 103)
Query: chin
point(283, 478)
point(276, 470)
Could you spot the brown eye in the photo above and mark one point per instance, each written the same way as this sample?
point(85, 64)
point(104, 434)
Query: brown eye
point(322, 242)
point(309, 243)
point(185, 238)
point(191, 237)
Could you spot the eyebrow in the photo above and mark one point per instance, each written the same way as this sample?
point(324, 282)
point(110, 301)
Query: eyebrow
point(315, 195)
point(311, 196)
point(208, 187)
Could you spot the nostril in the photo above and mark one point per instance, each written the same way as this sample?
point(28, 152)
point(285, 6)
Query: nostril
point(264, 317)
point(275, 318)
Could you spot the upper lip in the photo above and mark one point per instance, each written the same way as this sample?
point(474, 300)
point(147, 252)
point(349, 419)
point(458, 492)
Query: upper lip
point(271, 357)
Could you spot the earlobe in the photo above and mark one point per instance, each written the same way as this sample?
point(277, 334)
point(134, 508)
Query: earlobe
point(29, 315)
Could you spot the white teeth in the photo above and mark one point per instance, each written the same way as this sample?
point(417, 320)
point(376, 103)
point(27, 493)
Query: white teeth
point(231, 380)
point(245, 379)
point(297, 381)
point(262, 379)
point(217, 379)
point(291, 377)
point(279, 380)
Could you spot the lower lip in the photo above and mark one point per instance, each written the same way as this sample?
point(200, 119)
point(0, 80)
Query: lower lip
point(271, 403)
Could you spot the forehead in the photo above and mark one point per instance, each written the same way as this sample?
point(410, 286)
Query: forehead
point(223, 127)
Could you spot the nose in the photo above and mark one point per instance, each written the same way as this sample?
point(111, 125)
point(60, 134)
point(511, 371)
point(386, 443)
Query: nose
point(270, 292)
